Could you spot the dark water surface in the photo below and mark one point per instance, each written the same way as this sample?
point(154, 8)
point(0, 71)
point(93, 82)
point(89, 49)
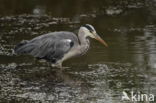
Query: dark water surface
point(100, 76)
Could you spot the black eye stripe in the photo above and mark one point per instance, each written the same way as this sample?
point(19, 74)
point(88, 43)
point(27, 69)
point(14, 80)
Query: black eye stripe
point(89, 28)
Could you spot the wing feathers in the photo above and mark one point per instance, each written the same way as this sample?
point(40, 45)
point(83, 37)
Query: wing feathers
point(48, 49)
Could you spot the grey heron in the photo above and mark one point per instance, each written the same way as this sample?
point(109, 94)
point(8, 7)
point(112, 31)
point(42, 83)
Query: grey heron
point(56, 47)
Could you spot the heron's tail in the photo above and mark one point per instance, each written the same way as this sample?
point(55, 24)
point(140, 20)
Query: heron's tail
point(22, 47)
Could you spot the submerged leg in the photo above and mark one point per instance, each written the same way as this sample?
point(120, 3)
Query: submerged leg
point(59, 65)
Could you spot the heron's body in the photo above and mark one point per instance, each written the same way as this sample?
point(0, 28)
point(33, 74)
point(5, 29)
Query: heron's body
point(55, 47)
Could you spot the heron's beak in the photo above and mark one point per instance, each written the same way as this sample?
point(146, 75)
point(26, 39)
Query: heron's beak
point(101, 40)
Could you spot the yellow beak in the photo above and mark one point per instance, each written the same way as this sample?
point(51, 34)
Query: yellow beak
point(101, 40)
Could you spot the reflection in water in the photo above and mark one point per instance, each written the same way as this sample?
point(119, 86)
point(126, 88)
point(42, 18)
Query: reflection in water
point(129, 63)
point(100, 82)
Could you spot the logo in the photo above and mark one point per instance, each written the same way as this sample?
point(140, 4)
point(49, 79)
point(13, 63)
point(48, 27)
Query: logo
point(137, 96)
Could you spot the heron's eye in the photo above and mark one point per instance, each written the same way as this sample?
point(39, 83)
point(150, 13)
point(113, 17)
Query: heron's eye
point(91, 31)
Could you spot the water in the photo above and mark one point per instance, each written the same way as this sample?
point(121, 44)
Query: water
point(100, 76)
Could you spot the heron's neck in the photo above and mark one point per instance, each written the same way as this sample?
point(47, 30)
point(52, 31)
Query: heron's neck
point(84, 43)
point(83, 39)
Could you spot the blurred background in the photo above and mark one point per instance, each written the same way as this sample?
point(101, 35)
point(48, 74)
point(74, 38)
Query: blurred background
point(129, 63)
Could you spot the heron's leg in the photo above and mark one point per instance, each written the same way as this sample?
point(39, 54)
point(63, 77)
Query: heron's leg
point(59, 65)
point(53, 65)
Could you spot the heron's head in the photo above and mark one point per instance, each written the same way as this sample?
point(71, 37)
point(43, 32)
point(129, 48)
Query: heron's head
point(89, 31)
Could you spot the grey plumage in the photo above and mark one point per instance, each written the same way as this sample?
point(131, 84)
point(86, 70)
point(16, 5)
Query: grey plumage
point(56, 47)
point(51, 46)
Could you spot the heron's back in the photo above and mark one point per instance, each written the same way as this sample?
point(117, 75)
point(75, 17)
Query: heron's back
point(57, 36)
point(48, 46)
